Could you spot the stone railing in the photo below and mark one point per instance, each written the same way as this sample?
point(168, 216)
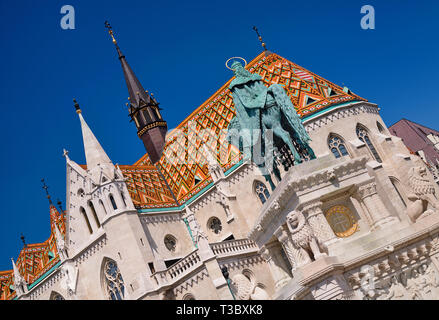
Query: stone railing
point(233, 247)
point(177, 271)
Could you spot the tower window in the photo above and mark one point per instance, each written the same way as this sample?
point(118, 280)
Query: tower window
point(114, 284)
point(337, 146)
point(93, 211)
point(380, 127)
point(103, 207)
point(113, 203)
point(123, 199)
point(363, 135)
point(84, 214)
point(262, 191)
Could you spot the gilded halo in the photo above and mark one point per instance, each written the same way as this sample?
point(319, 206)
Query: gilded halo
point(227, 66)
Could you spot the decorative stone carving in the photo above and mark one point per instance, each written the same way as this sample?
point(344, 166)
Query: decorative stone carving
point(224, 199)
point(70, 279)
point(423, 194)
point(293, 254)
point(303, 238)
point(418, 283)
point(61, 245)
point(199, 238)
point(318, 223)
point(246, 290)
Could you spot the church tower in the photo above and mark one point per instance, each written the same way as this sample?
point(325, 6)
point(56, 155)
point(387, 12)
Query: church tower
point(102, 215)
point(143, 109)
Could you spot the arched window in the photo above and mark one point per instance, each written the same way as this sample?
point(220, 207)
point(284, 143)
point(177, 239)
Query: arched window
point(189, 296)
point(342, 221)
point(103, 207)
point(123, 199)
point(380, 128)
point(113, 281)
point(363, 135)
point(262, 191)
point(93, 211)
point(113, 203)
point(214, 224)
point(84, 214)
point(337, 146)
point(56, 296)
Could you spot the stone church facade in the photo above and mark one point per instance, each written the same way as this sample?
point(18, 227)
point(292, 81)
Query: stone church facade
point(361, 221)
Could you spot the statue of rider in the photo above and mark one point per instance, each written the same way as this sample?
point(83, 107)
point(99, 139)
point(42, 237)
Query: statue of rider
point(265, 120)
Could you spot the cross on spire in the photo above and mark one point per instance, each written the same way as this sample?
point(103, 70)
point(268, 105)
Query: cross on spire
point(45, 187)
point(110, 31)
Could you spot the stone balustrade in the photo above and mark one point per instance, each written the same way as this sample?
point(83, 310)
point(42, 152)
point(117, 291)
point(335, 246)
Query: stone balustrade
point(177, 271)
point(193, 261)
point(233, 247)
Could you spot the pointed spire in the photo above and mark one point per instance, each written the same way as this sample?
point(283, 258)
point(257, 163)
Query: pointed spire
point(94, 153)
point(143, 109)
point(138, 95)
point(18, 278)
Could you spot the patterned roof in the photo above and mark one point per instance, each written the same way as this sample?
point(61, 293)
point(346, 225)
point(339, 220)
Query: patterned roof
point(180, 162)
point(35, 259)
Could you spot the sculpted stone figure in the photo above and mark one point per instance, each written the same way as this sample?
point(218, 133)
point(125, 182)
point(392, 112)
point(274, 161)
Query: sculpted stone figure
point(246, 290)
point(423, 194)
point(265, 116)
point(303, 238)
point(396, 290)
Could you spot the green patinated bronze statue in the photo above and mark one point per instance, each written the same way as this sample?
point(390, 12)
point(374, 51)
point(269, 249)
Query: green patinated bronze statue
point(265, 117)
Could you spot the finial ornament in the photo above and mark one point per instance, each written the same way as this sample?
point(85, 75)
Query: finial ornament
point(231, 68)
point(260, 38)
point(23, 240)
point(59, 203)
point(45, 187)
point(78, 109)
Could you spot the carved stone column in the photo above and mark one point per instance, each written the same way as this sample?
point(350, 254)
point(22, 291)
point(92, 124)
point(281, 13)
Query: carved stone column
point(280, 276)
point(292, 253)
point(317, 220)
point(377, 211)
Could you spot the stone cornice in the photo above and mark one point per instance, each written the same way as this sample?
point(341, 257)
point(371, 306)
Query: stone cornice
point(161, 218)
point(339, 112)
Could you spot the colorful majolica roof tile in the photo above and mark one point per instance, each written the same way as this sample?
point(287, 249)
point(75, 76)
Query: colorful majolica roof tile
point(34, 260)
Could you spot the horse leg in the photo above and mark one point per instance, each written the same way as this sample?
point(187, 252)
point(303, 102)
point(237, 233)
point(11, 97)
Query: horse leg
point(285, 136)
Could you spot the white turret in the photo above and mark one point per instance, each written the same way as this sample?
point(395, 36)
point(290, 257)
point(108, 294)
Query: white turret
point(20, 284)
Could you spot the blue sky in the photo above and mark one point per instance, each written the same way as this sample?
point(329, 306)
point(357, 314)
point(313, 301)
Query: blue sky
point(178, 50)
